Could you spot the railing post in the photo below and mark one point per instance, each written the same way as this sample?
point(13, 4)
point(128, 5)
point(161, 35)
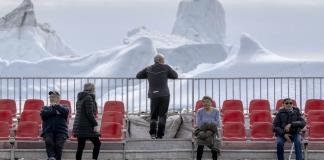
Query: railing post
point(20, 79)
point(126, 97)
point(300, 94)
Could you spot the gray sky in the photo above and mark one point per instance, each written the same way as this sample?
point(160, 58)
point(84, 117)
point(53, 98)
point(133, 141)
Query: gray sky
point(283, 26)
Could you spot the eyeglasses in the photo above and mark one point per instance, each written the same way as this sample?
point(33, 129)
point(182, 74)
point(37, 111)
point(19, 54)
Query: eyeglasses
point(288, 103)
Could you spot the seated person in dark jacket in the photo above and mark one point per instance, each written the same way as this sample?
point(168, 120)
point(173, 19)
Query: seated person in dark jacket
point(207, 123)
point(287, 125)
point(55, 129)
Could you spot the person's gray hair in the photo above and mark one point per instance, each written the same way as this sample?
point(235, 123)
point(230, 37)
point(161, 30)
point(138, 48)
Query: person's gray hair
point(158, 58)
point(88, 87)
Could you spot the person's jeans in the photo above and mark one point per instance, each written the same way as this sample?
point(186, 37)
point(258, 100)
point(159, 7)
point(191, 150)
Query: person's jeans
point(159, 111)
point(54, 144)
point(81, 144)
point(200, 151)
point(296, 139)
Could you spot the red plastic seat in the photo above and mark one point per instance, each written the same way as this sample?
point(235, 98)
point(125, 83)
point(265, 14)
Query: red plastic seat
point(314, 104)
point(111, 131)
point(233, 116)
point(8, 104)
point(27, 131)
point(6, 116)
point(200, 104)
point(4, 131)
point(112, 116)
point(316, 131)
point(117, 106)
point(315, 116)
point(260, 116)
point(234, 131)
point(262, 131)
point(232, 105)
point(67, 103)
point(33, 104)
point(31, 115)
point(259, 104)
point(280, 103)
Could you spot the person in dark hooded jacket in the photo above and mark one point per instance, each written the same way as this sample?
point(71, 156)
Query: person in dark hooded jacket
point(55, 129)
point(85, 125)
point(287, 125)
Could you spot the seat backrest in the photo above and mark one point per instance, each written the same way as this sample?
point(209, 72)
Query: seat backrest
point(315, 116)
point(259, 104)
point(111, 130)
point(234, 131)
point(280, 101)
point(260, 116)
point(6, 116)
point(261, 131)
point(8, 104)
point(233, 116)
point(33, 104)
point(316, 130)
point(31, 115)
point(232, 105)
point(117, 106)
point(314, 104)
point(4, 130)
point(66, 103)
point(112, 116)
point(27, 130)
point(200, 104)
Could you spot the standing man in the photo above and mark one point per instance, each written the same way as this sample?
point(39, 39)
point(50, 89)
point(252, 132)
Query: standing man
point(55, 129)
point(157, 75)
point(85, 125)
point(287, 125)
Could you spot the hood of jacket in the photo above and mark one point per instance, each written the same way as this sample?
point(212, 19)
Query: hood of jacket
point(82, 95)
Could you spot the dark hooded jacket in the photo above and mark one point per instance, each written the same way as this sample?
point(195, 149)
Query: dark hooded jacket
point(85, 118)
point(54, 119)
point(157, 76)
point(285, 117)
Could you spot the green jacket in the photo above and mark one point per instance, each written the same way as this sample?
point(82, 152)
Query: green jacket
point(207, 135)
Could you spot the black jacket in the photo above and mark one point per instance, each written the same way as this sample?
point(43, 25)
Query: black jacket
point(54, 122)
point(85, 118)
point(285, 117)
point(157, 75)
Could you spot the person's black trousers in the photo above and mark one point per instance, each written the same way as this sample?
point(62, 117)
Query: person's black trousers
point(200, 151)
point(81, 144)
point(159, 111)
point(54, 144)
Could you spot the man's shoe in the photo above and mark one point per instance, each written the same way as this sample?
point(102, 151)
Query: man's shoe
point(153, 136)
point(159, 137)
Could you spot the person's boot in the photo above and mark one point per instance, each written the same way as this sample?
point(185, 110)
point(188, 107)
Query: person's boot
point(153, 136)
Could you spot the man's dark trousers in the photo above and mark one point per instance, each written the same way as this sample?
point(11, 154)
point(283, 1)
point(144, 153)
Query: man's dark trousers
point(159, 111)
point(54, 144)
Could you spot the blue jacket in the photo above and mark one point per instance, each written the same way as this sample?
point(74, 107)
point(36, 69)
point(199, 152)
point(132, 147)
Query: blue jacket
point(55, 119)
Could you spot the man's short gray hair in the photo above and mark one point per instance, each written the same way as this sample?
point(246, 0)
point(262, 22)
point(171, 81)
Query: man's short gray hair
point(88, 87)
point(158, 58)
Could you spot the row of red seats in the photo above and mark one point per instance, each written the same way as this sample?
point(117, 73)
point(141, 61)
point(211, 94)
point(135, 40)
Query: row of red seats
point(263, 104)
point(261, 120)
point(30, 121)
point(257, 104)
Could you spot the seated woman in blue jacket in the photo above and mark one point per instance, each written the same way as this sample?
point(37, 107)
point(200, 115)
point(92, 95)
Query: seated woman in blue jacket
point(206, 132)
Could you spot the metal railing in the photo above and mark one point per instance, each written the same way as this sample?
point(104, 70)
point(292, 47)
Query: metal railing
point(184, 92)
